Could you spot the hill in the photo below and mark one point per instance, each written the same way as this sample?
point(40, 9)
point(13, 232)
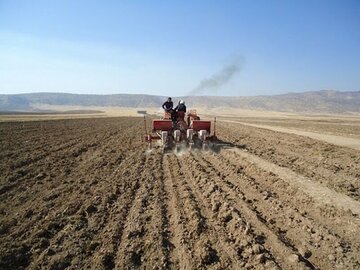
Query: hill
point(325, 101)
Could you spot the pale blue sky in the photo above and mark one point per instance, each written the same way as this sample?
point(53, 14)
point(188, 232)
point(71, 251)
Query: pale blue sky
point(168, 47)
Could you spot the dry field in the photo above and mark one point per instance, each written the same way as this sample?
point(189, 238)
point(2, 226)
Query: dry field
point(86, 194)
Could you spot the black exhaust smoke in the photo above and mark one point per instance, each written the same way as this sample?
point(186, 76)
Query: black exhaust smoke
point(211, 85)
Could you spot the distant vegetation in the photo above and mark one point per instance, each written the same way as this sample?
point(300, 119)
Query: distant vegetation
point(325, 101)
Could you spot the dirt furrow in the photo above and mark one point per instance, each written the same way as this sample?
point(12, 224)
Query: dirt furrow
point(86, 194)
point(67, 158)
point(180, 250)
point(290, 223)
point(281, 251)
point(26, 167)
point(45, 136)
point(332, 166)
point(66, 220)
point(142, 239)
point(353, 143)
point(107, 242)
point(61, 164)
point(268, 183)
point(213, 242)
point(84, 220)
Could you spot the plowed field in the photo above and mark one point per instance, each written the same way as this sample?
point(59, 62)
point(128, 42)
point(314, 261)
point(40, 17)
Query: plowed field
point(86, 194)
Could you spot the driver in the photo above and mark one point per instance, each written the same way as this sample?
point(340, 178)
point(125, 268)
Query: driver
point(181, 107)
point(168, 105)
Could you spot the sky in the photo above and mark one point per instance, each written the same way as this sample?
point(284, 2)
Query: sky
point(176, 48)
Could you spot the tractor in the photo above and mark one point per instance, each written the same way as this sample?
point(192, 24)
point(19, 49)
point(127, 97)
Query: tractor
point(183, 131)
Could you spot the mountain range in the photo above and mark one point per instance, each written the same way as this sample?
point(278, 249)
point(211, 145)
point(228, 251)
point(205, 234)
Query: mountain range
point(324, 101)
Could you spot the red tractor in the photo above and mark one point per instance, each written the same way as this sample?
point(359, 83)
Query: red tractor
point(186, 130)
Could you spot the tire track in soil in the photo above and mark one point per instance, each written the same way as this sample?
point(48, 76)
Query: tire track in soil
point(168, 228)
point(334, 166)
point(320, 193)
point(210, 246)
point(268, 184)
point(143, 238)
point(293, 228)
point(234, 230)
point(179, 247)
point(279, 250)
point(342, 141)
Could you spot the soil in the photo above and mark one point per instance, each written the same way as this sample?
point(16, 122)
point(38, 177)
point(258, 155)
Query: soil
point(344, 126)
point(87, 194)
point(332, 139)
